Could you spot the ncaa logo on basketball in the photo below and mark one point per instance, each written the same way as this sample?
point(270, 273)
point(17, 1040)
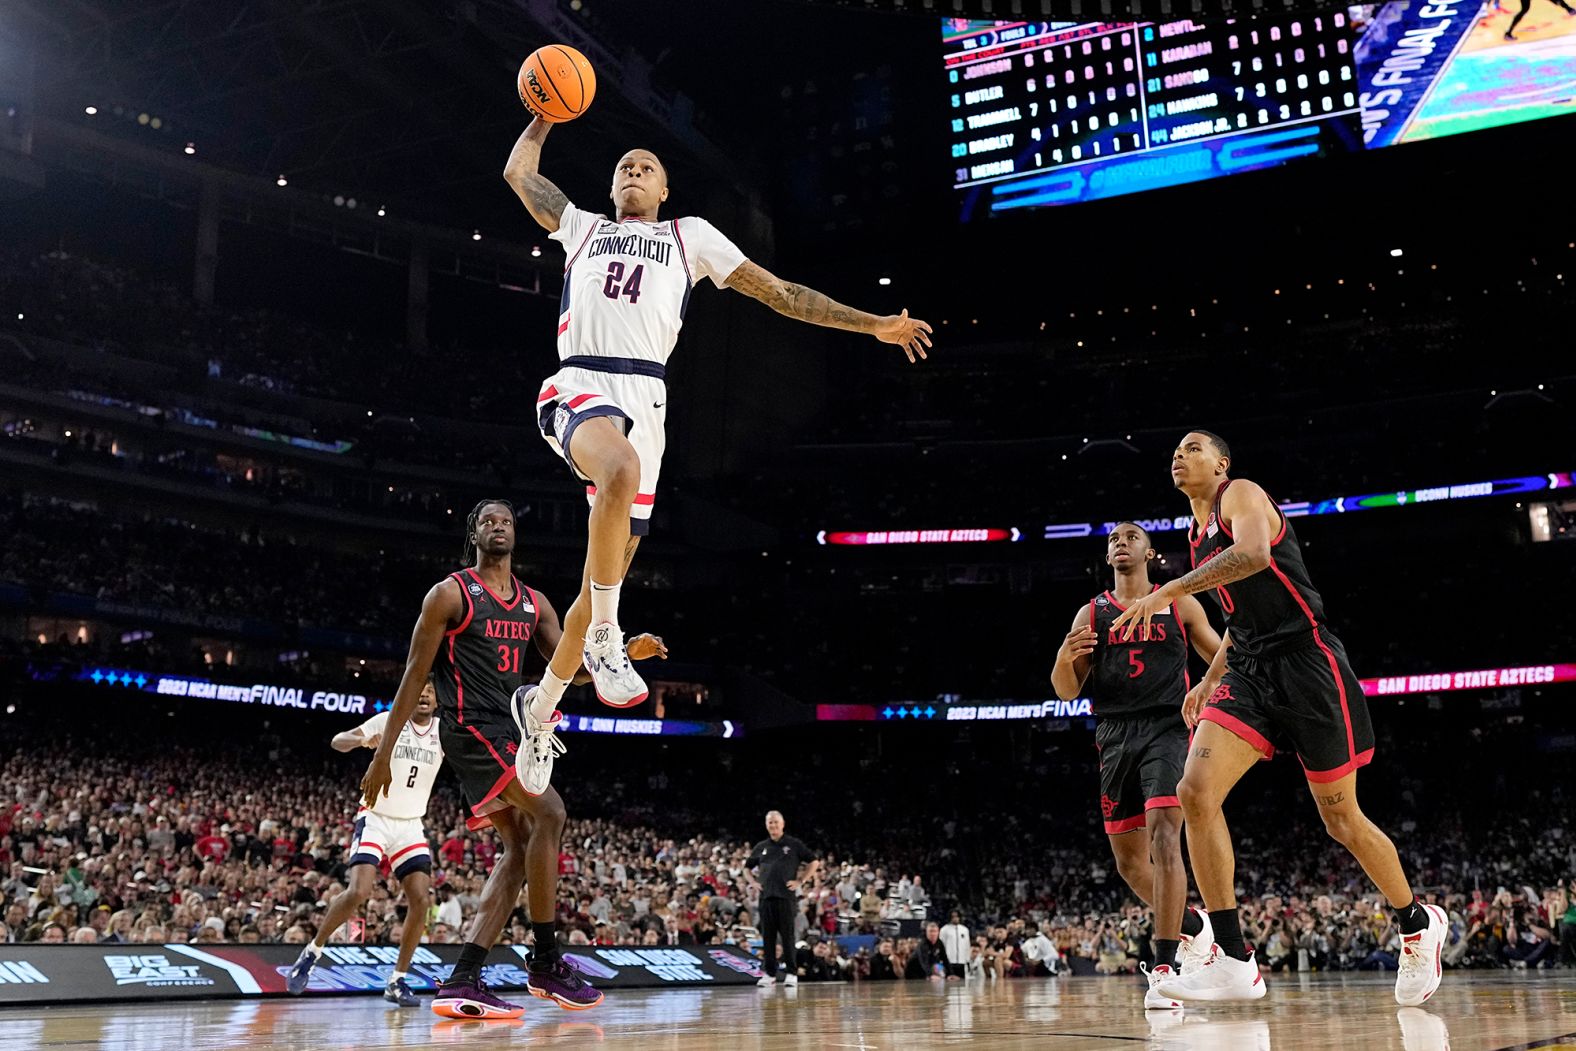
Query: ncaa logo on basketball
point(535, 85)
point(474, 588)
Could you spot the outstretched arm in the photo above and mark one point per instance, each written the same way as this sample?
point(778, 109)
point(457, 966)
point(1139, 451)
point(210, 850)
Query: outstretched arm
point(542, 199)
point(1248, 511)
point(806, 304)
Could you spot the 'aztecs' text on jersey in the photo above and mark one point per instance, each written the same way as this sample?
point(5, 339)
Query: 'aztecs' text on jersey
point(1137, 675)
point(1274, 610)
point(477, 667)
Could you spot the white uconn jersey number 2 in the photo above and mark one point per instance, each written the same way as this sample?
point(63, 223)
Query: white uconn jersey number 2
point(627, 284)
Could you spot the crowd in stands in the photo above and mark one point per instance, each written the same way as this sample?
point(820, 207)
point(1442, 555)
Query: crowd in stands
point(176, 834)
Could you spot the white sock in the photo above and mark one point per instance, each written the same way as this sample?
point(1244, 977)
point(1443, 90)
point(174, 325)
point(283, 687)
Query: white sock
point(548, 694)
point(604, 602)
point(314, 948)
point(398, 976)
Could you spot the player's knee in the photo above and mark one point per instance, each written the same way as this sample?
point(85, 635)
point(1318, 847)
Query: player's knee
point(1165, 845)
point(550, 817)
point(1198, 798)
point(1344, 826)
point(620, 474)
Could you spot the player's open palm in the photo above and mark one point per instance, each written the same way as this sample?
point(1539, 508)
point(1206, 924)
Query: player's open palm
point(910, 333)
point(380, 774)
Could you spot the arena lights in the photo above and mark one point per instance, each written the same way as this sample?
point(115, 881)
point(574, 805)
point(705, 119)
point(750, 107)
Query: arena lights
point(281, 181)
point(951, 708)
point(1534, 483)
point(1346, 504)
point(91, 111)
point(1485, 679)
point(306, 698)
point(920, 536)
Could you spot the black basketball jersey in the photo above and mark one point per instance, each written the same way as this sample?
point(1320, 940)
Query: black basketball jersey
point(1276, 609)
point(1137, 675)
point(477, 668)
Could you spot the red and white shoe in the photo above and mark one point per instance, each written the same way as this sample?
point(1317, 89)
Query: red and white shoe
point(612, 674)
point(1196, 951)
point(1422, 959)
point(1153, 1001)
point(1222, 978)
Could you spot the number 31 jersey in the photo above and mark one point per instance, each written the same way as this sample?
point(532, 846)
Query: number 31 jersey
point(1136, 676)
point(627, 284)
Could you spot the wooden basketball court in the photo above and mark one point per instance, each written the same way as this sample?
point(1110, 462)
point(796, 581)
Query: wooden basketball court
point(1492, 1011)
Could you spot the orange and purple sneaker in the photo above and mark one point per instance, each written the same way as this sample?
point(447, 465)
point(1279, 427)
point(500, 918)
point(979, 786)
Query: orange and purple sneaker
point(472, 1000)
point(558, 981)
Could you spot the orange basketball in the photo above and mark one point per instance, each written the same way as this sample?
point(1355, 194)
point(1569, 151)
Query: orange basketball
point(557, 83)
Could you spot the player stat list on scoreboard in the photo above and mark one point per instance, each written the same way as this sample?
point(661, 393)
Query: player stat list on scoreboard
point(1054, 112)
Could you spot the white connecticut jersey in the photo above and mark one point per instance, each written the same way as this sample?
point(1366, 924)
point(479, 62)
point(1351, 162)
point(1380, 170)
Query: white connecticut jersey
point(627, 284)
point(417, 757)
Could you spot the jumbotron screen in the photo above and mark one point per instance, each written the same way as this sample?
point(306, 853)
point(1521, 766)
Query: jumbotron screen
point(1049, 113)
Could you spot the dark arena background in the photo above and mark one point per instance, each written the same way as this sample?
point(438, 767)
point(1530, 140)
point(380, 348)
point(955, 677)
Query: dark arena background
point(272, 324)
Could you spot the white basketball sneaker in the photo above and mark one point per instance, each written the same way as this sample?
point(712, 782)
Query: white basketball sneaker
point(1222, 978)
point(1421, 965)
point(616, 681)
point(1153, 1001)
point(540, 745)
point(1197, 950)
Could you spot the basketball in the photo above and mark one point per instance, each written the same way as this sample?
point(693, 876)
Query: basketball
point(556, 83)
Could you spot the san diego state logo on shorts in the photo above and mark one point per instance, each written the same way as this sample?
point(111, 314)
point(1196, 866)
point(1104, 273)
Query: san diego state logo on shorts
point(1222, 693)
point(1107, 805)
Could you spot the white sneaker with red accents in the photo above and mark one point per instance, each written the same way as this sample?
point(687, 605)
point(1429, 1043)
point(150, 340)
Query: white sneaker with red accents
point(1222, 978)
point(616, 681)
point(1422, 965)
point(1196, 951)
point(1153, 1001)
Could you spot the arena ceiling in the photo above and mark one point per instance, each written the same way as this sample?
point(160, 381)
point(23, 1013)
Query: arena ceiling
point(404, 104)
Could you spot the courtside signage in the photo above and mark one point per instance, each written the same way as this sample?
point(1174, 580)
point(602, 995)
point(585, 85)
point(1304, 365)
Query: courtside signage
point(37, 973)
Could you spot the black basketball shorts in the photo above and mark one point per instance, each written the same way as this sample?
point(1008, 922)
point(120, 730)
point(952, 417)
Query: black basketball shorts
point(481, 751)
point(1141, 759)
point(1307, 699)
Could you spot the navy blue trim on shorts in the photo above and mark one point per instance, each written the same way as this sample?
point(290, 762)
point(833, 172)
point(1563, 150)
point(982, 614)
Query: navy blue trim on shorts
point(639, 526)
point(575, 420)
point(363, 859)
point(419, 863)
point(621, 366)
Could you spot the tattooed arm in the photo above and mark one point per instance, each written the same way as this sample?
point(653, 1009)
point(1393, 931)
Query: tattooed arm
point(806, 304)
point(1247, 511)
point(541, 198)
point(1251, 517)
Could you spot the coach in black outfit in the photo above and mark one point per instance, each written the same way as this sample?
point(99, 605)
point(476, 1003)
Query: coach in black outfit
point(782, 862)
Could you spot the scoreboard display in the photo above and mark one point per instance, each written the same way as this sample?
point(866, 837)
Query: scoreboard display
point(1047, 113)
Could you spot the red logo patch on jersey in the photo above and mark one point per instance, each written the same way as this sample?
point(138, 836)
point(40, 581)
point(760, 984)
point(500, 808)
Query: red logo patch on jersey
point(510, 747)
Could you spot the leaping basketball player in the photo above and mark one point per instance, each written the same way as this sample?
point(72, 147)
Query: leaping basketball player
point(1286, 683)
point(627, 282)
point(1138, 688)
point(388, 831)
point(471, 631)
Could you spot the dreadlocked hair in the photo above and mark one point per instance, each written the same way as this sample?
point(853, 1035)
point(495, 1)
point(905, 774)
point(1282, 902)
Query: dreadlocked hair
point(468, 555)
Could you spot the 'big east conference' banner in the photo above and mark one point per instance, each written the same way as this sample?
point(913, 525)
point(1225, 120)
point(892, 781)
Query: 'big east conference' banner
point(63, 973)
